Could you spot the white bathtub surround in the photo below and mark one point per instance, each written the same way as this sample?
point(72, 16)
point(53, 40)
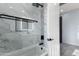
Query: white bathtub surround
point(33, 50)
point(18, 41)
point(12, 41)
point(44, 54)
point(21, 44)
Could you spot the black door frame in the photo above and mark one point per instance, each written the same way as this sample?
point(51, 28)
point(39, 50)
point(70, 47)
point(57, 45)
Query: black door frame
point(60, 28)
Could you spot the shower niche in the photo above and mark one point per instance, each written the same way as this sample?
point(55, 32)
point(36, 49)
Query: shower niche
point(21, 24)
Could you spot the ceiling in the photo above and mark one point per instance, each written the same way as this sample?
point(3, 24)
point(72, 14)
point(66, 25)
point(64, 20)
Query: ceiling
point(65, 8)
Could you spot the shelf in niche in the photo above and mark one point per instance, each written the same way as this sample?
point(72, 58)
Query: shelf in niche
point(5, 16)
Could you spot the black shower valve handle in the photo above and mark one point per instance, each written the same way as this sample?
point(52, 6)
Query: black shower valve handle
point(41, 43)
point(50, 39)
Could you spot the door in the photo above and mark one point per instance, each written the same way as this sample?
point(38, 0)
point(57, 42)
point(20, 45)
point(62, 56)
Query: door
point(52, 26)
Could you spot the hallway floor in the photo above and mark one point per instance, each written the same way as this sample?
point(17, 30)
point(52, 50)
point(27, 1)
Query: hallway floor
point(67, 49)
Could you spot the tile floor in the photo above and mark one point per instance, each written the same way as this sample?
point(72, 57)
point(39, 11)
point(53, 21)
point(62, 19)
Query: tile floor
point(67, 49)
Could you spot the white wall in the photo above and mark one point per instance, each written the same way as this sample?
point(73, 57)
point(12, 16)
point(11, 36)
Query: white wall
point(71, 28)
point(52, 29)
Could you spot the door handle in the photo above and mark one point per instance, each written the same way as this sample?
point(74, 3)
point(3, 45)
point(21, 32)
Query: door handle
point(49, 39)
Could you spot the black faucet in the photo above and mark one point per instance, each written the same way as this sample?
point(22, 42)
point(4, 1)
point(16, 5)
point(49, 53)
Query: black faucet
point(41, 43)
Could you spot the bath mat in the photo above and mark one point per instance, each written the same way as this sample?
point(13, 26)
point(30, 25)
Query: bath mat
point(75, 52)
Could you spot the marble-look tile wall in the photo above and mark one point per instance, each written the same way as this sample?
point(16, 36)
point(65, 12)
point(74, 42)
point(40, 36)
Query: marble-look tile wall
point(7, 27)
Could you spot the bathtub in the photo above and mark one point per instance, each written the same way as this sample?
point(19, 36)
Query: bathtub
point(20, 44)
point(34, 50)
